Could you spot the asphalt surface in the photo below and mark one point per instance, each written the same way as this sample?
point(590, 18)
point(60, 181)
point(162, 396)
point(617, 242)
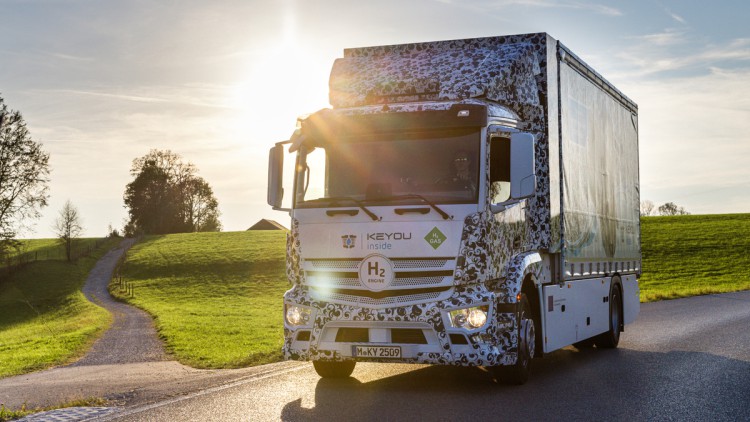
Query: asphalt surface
point(682, 360)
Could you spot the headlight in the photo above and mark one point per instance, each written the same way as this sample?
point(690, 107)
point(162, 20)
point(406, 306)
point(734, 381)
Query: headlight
point(469, 318)
point(297, 315)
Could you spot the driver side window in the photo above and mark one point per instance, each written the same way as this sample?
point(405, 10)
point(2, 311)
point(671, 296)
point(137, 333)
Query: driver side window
point(499, 169)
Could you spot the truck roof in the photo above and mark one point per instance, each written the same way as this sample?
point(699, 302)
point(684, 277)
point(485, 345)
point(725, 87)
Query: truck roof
point(509, 70)
point(502, 69)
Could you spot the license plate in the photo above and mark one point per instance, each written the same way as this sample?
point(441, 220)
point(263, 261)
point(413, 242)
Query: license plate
point(377, 351)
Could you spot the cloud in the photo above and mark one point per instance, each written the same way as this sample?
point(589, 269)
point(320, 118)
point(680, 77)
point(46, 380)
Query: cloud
point(665, 38)
point(554, 4)
point(193, 95)
point(675, 16)
point(71, 57)
point(689, 143)
point(673, 50)
point(551, 4)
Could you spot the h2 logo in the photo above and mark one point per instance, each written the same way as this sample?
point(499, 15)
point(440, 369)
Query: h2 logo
point(373, 269)
point(376, 272)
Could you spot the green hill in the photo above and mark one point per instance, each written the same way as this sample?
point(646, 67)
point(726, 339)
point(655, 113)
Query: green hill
point(215, 297)
point(45, 320)
point(694, 254)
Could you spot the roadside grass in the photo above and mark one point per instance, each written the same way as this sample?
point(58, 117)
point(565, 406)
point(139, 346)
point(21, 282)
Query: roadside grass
point(694, 255)
point(46, 249)
point(215, 297)
point(45, 319)
point(7, 414)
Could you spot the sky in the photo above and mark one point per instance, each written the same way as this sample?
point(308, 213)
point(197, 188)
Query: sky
point(102, 82)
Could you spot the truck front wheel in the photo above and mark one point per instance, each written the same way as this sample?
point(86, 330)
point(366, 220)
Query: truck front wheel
point(519, 373)
point(328, 369)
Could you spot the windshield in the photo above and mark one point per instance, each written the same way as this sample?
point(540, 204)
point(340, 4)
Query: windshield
point(441, 167)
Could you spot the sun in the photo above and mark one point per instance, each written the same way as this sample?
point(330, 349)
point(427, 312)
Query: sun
point(283, 82)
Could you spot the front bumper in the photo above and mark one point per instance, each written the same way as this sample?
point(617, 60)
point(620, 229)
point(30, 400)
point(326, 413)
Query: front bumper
point(422, 331)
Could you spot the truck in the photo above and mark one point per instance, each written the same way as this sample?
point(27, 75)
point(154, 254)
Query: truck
point(469, 202)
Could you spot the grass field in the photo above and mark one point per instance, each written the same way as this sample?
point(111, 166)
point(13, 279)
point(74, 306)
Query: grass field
point(694, 255)
point(45, 319)
point(46, 249)
point(215, 297)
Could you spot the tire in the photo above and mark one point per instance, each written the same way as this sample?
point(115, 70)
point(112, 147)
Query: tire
point(611, 337)
point(518, 374)
point(327, 369)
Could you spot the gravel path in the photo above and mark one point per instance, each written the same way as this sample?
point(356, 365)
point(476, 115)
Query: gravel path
point(132, 337)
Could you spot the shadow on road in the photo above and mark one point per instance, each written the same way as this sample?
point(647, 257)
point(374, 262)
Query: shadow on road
point(569, 383)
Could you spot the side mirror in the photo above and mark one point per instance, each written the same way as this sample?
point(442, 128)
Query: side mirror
point(521, 162)
point(276, 176)
point(522, 166)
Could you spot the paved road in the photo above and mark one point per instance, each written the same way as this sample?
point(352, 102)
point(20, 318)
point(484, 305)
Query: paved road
point(682, 360)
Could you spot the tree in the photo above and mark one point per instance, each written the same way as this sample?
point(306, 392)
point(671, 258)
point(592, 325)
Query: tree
point(201, 206)
point(167, 196)
point(152, 203)
point(670, 208)
point(68, 227)
point(24, 175)
point(647, 207)
point(111, 231)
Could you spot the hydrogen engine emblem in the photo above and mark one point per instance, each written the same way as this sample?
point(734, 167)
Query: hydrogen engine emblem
point(376, 272)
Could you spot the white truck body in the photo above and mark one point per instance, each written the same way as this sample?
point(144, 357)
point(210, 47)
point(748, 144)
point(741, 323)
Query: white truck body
point(395, 255)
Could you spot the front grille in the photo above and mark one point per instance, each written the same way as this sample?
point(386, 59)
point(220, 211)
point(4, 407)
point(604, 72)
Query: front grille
point(389, 293)
point(420, 263)
point(326, 280)
point(398, 263)
point(363, 300)
point(415, 280)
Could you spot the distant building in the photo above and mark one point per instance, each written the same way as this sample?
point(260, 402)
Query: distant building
point(267, 225)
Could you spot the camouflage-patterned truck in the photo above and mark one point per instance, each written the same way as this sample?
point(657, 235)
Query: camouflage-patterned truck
point(471, 202)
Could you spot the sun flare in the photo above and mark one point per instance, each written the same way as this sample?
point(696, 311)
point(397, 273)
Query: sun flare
point(283, 82)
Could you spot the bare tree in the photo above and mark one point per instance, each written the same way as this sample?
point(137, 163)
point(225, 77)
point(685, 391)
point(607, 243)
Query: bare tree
point(670, 208)
point(24, 175)
point(68, 227)
point(647, 207)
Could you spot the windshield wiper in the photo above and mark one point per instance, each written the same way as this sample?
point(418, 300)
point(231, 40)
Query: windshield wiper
point(426, 201)
point(334, 202)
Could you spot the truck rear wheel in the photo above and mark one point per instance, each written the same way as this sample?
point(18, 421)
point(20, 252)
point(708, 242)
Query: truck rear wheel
point(519, 373)
point(610, 338)
point(328, 369)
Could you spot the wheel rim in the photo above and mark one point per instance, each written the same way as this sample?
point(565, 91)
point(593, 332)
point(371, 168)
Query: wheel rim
point(527, 340)
point(530, 338)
